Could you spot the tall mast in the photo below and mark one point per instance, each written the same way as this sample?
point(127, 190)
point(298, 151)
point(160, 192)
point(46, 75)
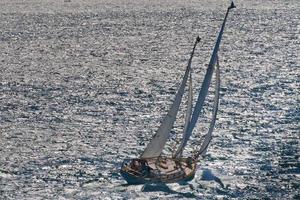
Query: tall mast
point(205, 85)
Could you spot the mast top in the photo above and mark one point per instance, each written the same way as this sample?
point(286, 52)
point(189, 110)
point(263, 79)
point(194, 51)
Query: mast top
point(231, 6)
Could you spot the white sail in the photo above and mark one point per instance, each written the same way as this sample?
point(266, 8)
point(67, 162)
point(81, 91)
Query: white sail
point(205, 85)
point(208, 136)
point(187, 116)
point(156, 145)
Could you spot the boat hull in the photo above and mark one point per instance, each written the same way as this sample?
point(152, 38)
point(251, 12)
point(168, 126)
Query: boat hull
point(136, 180)
point(173, 171)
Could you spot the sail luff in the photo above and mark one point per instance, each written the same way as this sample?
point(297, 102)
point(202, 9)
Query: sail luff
point(157, 143)
point(208, 136)
point(188, 115)
point(206, 82)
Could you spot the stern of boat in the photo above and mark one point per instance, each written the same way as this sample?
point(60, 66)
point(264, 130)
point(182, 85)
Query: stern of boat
point(130, 176)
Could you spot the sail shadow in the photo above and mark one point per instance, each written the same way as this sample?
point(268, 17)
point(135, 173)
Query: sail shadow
point(161, 187)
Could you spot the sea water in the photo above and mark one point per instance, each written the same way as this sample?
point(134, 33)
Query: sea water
point(85, 84)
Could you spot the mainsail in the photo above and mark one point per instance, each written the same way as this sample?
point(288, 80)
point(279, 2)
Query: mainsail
point(208, 136)
point(205, 85)
point(156, 145)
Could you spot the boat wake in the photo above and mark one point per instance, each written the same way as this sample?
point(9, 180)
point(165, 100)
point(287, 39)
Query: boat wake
point(207, 175)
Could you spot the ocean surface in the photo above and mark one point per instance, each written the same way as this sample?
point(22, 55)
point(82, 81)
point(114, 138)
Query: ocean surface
point(84, 84)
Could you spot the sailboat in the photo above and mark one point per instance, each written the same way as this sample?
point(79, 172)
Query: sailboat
point(152, 166)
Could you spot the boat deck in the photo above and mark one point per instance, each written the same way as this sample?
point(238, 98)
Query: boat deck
point(170, 166)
